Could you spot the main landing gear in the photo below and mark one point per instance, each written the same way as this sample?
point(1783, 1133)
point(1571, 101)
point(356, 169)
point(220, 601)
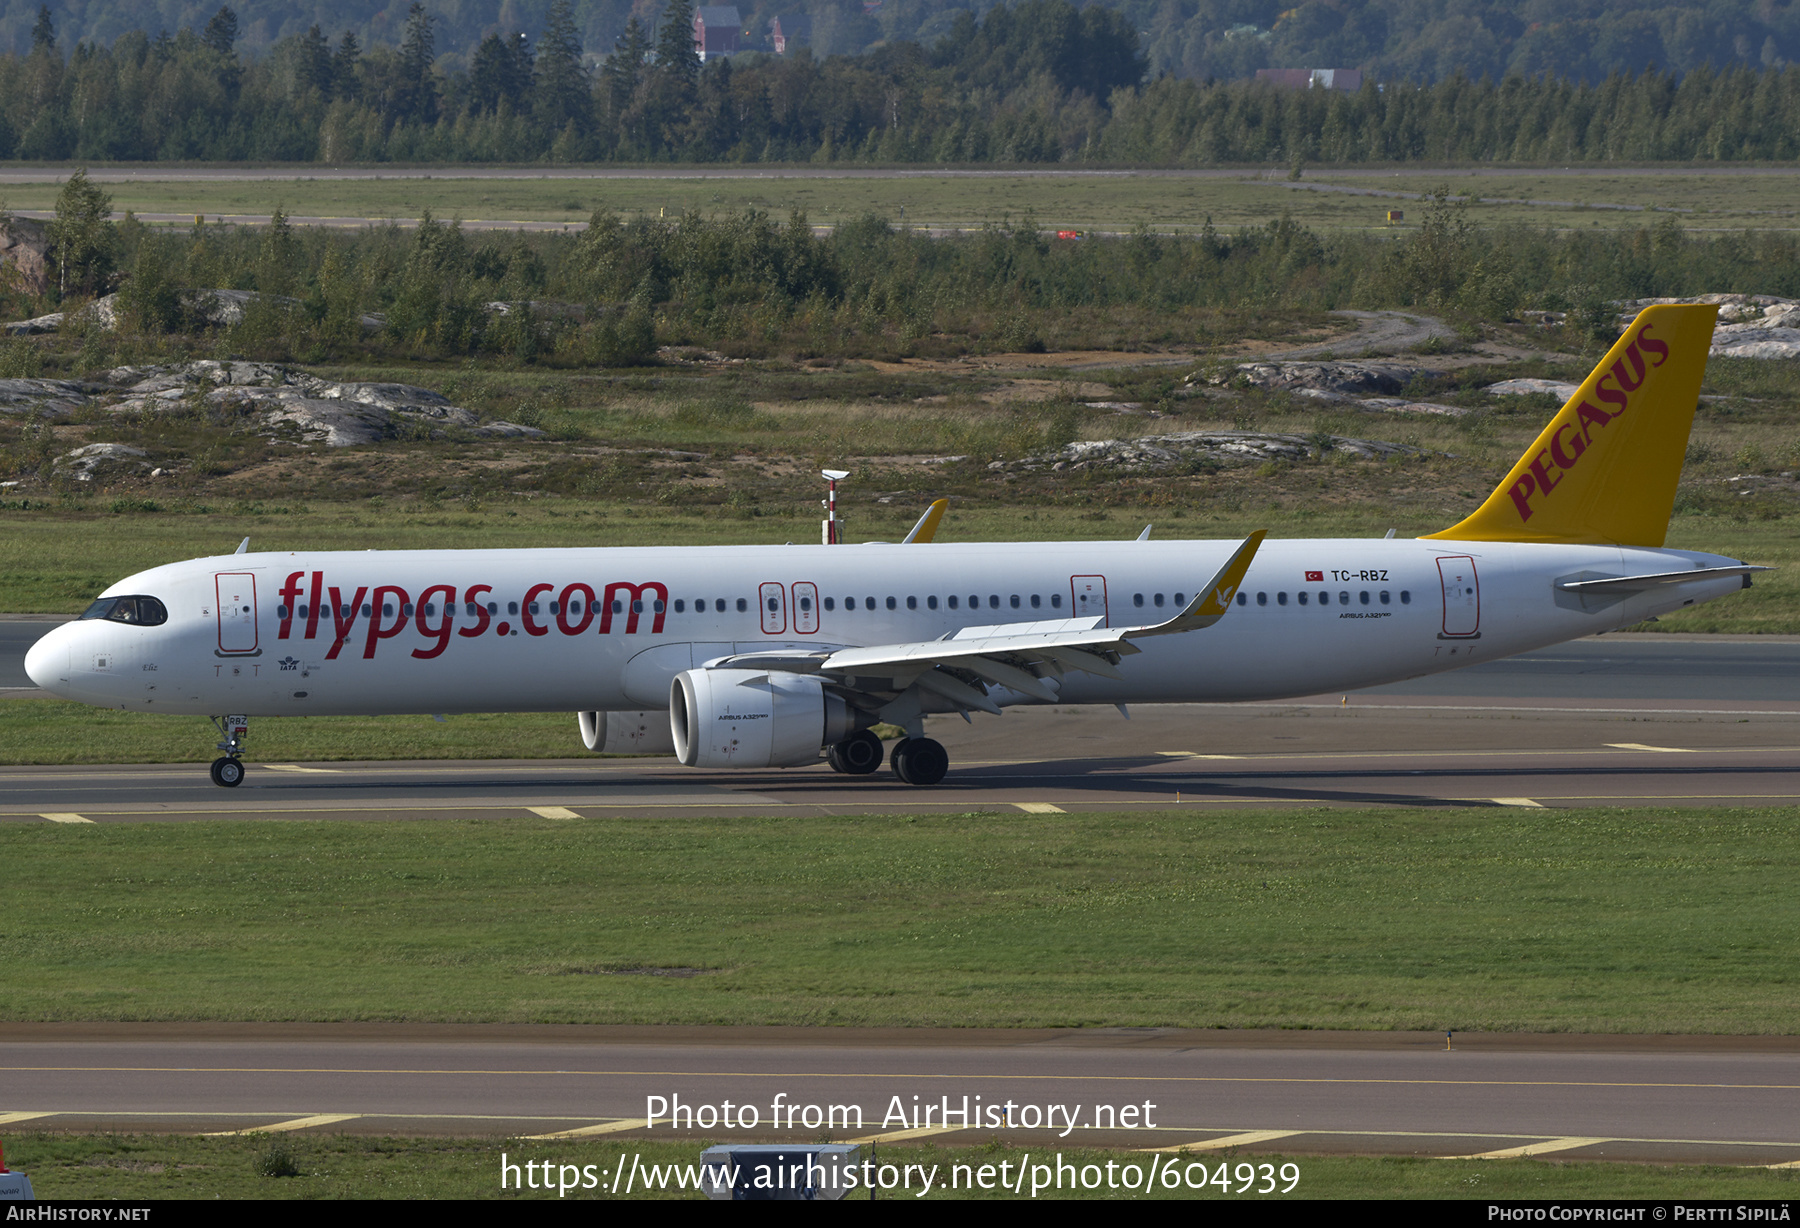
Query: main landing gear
point(917, 761)
point(857, 755)
point(228, 769)
point(920, 761)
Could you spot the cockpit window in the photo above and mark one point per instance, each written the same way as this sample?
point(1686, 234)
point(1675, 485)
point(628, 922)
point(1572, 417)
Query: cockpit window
point(143, 611)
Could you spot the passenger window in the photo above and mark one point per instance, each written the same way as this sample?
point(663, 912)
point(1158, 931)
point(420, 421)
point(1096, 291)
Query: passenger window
point(1137, 599)
point(1343, 598)
point(1384, 597)
point(1036, 601)
point(953, 601)
point(680, 606)
point(387, 609)
point(743, 604)
point(1405, 597)
point(1015, 601)
point(993, 601)
point(512, 607)
point(806, 604)
point(1158, 600)
point(1302, 597)
point(1243, 598)
point(1056, 601)
point(831, 603)
point(1363, 596)
point(892, 604)
point(931, 602)
point(912, 603)
point(1262, 599)
point(1280, 598)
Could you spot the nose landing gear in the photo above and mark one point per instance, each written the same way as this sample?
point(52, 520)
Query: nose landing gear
point(228, 770)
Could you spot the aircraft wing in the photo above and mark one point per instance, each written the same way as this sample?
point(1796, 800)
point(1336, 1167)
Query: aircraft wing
point(1014, 655)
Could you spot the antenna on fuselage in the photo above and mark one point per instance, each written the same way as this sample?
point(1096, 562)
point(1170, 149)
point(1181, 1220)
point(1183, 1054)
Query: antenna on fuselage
point(829, 526)
point(243, 547)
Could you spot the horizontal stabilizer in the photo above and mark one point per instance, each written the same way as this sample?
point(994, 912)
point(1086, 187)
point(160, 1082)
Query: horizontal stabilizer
point(1656, 579)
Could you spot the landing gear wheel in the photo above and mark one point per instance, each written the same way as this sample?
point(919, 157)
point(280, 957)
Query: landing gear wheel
point(227, 772)
point(920, 761)
point(857, 755)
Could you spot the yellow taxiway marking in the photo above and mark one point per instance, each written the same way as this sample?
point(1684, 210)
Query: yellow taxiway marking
point(1516, 801)
point(1230, 1140)
point(1534, 1149)
point(298, 1123)
point(294, 767)
point(896, 1136)
point(6, 1119)
point(65, 817)
point(605, 1127)
point(1191, 754)
point(553, 812)
point(1665, 750)
point(1784, 1164)
point(1039, 808)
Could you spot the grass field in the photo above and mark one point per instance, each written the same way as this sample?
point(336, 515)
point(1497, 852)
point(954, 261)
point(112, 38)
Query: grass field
point(1118, 201)
point(127, 1167)
point(1588, 921)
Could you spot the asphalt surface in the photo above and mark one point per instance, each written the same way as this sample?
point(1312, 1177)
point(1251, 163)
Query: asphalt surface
point(1720, 1100)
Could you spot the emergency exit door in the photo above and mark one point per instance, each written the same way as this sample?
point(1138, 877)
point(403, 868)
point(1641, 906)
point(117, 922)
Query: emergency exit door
point(1088, 595)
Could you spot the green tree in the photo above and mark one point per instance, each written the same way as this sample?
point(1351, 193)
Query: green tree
point(222, 31)
point(563, 95)
point(417, 95)
point(43, 33)
point(83, 241)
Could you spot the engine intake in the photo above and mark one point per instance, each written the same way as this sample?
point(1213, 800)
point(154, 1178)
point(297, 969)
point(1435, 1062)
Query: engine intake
point(756, 718)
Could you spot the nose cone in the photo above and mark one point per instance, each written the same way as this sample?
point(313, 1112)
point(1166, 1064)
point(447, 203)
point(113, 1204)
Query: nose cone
point(47, 663)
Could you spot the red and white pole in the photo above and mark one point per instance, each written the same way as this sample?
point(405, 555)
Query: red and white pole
point(829, 527)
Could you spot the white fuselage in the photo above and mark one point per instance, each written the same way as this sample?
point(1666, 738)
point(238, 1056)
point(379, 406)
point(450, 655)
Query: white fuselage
point(283, 634)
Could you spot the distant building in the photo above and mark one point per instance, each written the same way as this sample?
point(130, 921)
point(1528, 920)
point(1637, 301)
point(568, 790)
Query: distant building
point(1347, 79)
point(716, 30)
point(789, 30)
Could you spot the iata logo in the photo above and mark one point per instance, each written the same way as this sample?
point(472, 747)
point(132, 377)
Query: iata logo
point(289, 663)
point(1571, 435)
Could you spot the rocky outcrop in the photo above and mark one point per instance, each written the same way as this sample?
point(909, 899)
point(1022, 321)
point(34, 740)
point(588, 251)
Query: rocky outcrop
point(1153, 452)
point(1345, 378)
point(1559, 389)
point(324, 411)
point(84, 461)
point(49, 398)
point(1366, 386)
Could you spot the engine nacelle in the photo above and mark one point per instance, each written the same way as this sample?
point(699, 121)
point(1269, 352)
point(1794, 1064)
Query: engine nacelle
point(626, 733)
point(756, 718)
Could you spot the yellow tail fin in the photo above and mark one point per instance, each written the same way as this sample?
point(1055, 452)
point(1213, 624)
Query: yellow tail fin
point(1606, 467)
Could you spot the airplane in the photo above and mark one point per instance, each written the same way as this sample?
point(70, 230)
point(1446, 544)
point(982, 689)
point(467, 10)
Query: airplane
point(778, 656)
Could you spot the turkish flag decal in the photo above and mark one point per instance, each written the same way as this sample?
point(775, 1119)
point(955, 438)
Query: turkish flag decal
point(1315, 577)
